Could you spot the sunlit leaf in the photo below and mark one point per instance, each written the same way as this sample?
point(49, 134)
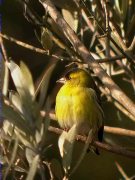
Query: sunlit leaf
point(14, 152)
point(33, 168)
point(25, 139)
point(71, 19)
point(38, 136)
point(27, 74)
point(4, 76)
point(14, 117)
point(16, 101)
point(30, 154)
point(29, 108)
point(7, 127)
point(66, 143)
point(20, 80)
point(19, 169)
point(83, 152)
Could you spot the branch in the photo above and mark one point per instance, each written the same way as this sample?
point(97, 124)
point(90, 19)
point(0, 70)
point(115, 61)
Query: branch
point(116, 103)
point(119, 131)
point(3, 49)
point(30, 47)
point(107, 147)
point(116, 92)
point(120, 169)
point(108, 129)
point(5, 83)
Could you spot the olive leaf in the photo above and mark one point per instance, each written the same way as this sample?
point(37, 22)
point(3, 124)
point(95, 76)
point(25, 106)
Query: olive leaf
point(46, 39)
point(71, 18)
point(24, 84)
point(15, 118)
point(44, 83)
point(12, 158)
point(33, 168)
point(66, 144)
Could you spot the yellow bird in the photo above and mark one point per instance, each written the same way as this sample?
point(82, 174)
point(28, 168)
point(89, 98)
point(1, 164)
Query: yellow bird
point(77, 103)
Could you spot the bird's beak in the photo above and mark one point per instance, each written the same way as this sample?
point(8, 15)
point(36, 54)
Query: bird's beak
point(61, 80)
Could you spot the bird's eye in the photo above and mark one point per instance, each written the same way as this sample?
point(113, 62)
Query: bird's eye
point(67, 76)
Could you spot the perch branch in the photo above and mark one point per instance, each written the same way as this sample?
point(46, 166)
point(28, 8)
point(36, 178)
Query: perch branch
point(107, 147)
point(108, 129)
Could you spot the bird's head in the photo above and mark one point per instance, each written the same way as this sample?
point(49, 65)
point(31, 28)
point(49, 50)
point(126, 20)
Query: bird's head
point(77, 77)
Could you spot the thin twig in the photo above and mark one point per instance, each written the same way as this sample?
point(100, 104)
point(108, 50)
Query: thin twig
point(84, 11)
point(107, 38)
point(116, 103)
point(6, 70)
point(127, 55)
point(120, 169)
point(110, 59)
point(42, 51)
point(3, 50)
point(30, 47)
point(20, 43)
point(119, 131)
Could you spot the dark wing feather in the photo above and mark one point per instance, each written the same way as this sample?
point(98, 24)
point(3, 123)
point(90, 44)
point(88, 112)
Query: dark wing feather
point(100, 133)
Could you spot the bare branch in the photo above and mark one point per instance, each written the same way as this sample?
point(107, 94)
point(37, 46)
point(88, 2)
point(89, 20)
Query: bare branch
point(107, 147)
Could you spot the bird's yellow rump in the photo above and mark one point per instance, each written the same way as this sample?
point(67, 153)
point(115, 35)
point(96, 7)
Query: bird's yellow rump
point(77, 103)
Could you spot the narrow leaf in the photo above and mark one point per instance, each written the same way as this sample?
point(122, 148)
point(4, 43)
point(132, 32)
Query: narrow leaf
point(66, 143)
point(46, 39)
point(12, 158)
point(20, 80)
point(83, 153)
point(43, 85)
point(27, 74)
point(33, 168)
point(15, 118)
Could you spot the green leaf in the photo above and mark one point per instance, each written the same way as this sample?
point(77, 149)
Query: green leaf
point(27, 74)
point(30, 154)
point(66, 143)
point(7, 127)
point(83, 152)
point(15, 118)
point(25, 139)
point(46, 39)
point(14, 152)
point(20, 79)
point(71, 18)
point(38, 135)
point(24, 85)
point(43, 85)
point(33, 168)
point(16, 101)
